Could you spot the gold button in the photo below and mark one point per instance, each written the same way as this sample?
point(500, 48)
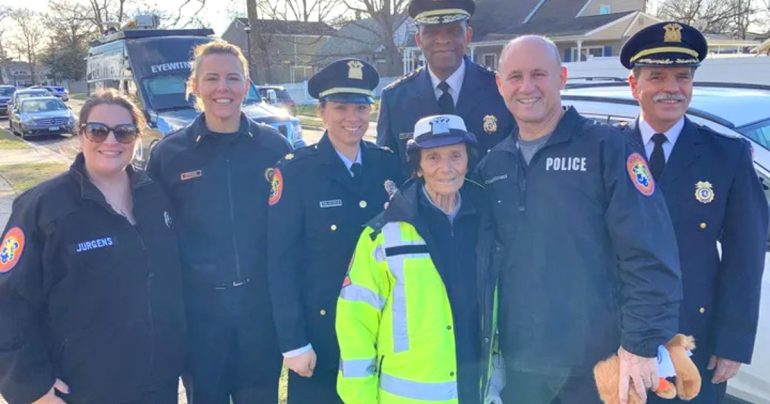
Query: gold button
point(702, 310)
point(334, 227)
point(703, 225)
point(362, 204)
point(323, 312)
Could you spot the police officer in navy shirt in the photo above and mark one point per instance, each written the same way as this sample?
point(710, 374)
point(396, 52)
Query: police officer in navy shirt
point(321, 197)
point(713, 195)
point(450, 84)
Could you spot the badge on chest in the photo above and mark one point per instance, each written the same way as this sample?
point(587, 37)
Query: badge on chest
point(704, 192)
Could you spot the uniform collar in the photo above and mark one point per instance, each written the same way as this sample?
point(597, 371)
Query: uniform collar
point(455, 80)
point(562, 133)
point(88, 190)
point(201, 132)
point(671, 135)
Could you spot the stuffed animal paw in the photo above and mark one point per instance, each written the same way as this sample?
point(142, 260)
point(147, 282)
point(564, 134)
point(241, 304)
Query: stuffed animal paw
point(687, 381)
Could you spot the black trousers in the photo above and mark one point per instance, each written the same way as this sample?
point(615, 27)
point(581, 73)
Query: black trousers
point(319, 389)
point(534, 388)
point(230, 358)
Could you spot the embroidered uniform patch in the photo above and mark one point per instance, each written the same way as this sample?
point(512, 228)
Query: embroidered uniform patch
point(639, 173)
point(190, 175)
point(11, 249)
point(276, 187)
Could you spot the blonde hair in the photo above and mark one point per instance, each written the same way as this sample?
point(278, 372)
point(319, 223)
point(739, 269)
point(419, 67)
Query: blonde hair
point(112, 97)
point(217, 47)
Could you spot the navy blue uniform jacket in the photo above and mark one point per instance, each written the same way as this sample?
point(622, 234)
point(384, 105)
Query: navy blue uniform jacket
point(412, 97)
point(92, 299)
point(314, 222)
point(218, 185)
point(721, 296)
point(590, 255)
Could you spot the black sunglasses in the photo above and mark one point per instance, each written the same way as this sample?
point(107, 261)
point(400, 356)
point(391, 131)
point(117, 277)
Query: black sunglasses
point(98, 132)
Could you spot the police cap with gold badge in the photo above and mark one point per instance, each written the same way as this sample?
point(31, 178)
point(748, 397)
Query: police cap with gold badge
point(431, 12)
point(664, 44)
point(349, 81)
point(439, 130)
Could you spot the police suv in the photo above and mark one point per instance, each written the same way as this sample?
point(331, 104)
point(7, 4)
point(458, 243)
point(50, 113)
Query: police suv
point(730, 108)
point(152, 66)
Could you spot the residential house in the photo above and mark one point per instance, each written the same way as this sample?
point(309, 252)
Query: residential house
point(20, 73)
point(581, 29)
point(362, 38)
point(293, 46)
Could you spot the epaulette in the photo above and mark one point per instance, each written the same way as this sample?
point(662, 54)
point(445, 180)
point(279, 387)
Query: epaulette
point(377, 223)
point(486, 69)
point(405, 78)
point(374, 146)
point(622, 125)
point(713, 132)
point(298, 155)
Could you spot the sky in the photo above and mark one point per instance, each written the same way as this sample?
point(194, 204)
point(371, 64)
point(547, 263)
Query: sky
point(217, 13)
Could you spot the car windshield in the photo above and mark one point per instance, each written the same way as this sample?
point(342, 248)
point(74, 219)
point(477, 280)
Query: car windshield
point(20, 96)
point(758, 131)
point(6, 91)
point(283, 95)
point(168, 92)
point(32, 106)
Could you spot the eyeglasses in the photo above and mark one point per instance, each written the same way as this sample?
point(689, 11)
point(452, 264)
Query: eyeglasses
point(98, 132)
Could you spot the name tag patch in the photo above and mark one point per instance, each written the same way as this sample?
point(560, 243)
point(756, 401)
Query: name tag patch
point(405, 135)
point(91, 245)
point(495, 179)
point(565, 164)
point(332, 203)
point(191, 174)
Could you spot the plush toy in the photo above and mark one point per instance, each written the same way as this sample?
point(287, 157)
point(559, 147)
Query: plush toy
point(688, 381)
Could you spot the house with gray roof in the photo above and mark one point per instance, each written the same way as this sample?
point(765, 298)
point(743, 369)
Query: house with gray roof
point(582, 29)
point(293, 46)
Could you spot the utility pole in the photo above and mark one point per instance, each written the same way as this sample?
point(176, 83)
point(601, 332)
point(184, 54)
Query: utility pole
point(251, 34)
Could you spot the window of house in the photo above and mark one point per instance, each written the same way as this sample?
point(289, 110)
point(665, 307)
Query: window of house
point(302, 73)
point(590, 52)
point(490, 60)
point(605, 9)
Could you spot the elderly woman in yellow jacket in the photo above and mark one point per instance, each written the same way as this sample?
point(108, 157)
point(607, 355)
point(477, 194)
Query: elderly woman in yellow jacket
point(415, 313)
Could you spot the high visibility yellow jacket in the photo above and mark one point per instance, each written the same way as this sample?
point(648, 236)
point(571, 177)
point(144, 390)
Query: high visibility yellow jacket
point(394, 321)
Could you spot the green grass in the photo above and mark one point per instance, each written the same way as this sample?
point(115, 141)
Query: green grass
point(78, 96)
point(25, 176)
point(9, 141)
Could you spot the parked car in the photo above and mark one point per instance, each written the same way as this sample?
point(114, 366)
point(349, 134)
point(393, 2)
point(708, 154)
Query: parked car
point(6, 92)
point(26, 93)
point(42, 116)
point(58, 91)
point(278, 96)
point(729, 108)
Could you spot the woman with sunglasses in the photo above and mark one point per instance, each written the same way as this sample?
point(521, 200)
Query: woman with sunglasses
point(215, 171)
point(90, 283)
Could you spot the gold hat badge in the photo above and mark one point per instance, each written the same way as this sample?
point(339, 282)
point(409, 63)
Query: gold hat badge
point(355, 70)
point(673, 32)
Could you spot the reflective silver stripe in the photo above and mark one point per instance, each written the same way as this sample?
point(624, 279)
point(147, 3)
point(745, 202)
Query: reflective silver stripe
point(358, 367)
point(392, 238)
point(357, 293)
point(418, 390)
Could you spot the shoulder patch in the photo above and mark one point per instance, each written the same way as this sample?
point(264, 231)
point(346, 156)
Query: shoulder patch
point(639, 173)
point(405, 78)
point(11, 248)
point(276, 186)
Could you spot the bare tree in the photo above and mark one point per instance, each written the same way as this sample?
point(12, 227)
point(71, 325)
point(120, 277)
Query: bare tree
point(29, 37)
point(731, 17)
point(386, 16)
point(299, 10)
